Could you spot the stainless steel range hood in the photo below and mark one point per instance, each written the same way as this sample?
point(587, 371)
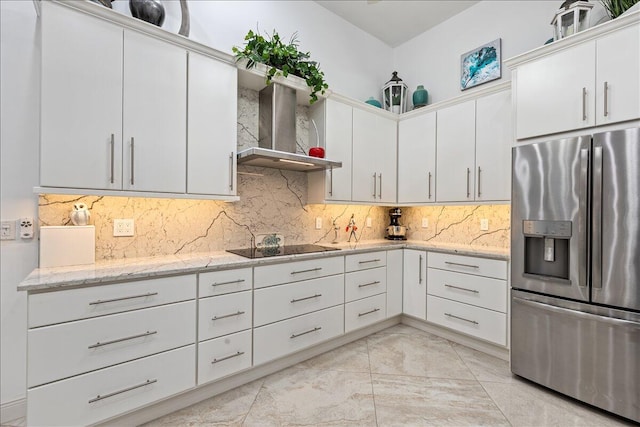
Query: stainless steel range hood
point(277, 135)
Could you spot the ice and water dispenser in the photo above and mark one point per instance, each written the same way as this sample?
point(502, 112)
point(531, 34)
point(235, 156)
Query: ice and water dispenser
point(546, 248)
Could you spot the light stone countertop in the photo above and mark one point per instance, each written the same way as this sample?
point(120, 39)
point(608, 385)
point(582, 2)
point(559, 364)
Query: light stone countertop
point(103, 272)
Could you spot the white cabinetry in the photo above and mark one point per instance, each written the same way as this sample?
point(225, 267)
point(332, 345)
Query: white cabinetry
point(374, 157)
point(417, 159)
point(415, 284)
point(586, 80)
point(394, 282)
point(335, 128)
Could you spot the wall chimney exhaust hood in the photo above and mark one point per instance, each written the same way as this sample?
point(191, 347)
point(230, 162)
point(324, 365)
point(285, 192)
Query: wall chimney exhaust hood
point(277, 135)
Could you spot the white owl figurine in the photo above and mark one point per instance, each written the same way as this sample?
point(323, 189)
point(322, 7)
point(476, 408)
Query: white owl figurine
point(80, 214)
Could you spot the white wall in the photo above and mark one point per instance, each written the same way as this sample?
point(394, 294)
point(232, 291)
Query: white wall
point(19, 123)
point(432, 59)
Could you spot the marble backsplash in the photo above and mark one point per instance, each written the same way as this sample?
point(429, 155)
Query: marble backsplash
point(271, 201)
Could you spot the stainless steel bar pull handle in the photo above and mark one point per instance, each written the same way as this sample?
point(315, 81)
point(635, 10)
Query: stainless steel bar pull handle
point(305, 298)
point(461, 265)
point(596, 221)
point(132, 337)
point(583, 188)
point(429, 185)
point(115, 393)
point(104, 301)
point(606, 98)
point(132, 161)
point(113, 144)
point(375, 188)
point(331, 181)
point(368, 312)
point(227, 283)
point(380, 189)
point(584, 103)
point(461, 318)
point(236, 354)
point(369, 284)
point(468, 182)
point(420, 269)
point(307, 271)
point(224, 316)
point(462, 289)
point(479, 171)
point(231, 171)
point(317, 328)
point(369, 260)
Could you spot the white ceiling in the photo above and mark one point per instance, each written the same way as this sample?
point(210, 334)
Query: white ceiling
point(395, 21)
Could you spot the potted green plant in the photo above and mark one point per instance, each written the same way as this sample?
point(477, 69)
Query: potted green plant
point(616, 8)
point(281, 59)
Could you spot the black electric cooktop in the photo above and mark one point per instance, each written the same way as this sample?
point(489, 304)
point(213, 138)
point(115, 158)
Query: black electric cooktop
point(270, 251)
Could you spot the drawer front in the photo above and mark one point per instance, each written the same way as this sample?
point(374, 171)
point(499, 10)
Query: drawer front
point(121, 388)
point(224, 282)
point(223, 356)
point(479, 322)
point(466, 264)
point(294, 299)
point(60, 351)
point(82, 303)
point(224, 314)
point(475, 290)
point(358, 262)
point(268, 275)
point(282, 338)
point(358, 314)
point(365, 283)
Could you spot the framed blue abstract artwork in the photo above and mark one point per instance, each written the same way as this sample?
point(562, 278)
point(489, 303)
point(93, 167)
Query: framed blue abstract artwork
point(480, 65)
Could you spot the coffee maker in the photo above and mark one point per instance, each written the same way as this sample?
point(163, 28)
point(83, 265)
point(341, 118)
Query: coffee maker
point(395, 231)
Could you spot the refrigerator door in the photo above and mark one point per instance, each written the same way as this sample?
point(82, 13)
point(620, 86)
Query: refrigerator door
point(616, 219)
point(584, 351)
point(549, 217)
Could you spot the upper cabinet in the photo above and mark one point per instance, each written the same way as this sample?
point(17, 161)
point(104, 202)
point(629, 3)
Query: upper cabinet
point(417, 159)
point(589, 79)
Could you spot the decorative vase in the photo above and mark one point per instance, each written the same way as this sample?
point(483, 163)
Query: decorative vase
point(374, 102)
point(420, 97)
point(151, 11)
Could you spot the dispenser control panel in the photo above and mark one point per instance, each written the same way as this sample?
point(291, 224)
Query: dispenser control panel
point(555, 229)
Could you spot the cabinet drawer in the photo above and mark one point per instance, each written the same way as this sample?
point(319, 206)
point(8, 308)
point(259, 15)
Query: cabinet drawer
point(358, 314)
point(362, 284)
point(357, 262)
point(68, 349)
point(82, 303)
point(467, 264)
point(223, 356)
point(224, 314)
point(293, 299)
point(224, 282)
point(475, 290)
point(281, 338)
point(121, 388)
point(276, 274)
point(478, 322)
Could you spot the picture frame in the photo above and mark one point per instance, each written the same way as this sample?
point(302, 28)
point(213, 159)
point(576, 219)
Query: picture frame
point(481, 65)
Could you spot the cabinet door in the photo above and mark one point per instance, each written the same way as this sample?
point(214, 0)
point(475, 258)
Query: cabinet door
point(338, 146)
point(493, 147)
point(417, 159)
point(365, 174)
point(394, 282)
point(81, 107)
point(618, 67)
point(556, 93)
point(456, 153)
point(212, 129)
point(155, 115)
point(414, 293)
point(386, 159)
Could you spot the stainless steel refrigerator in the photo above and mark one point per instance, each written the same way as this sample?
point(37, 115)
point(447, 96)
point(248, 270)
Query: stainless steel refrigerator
point(575, 272)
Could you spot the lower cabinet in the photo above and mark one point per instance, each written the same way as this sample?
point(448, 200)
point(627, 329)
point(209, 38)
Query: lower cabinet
point(415, 284)
point(224, 356)
point(364, 312)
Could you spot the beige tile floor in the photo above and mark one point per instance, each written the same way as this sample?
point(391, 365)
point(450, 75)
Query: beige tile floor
point(397, 377)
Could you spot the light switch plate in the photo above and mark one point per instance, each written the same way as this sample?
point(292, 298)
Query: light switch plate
point(368, 221)
point(484, 224)
point(425, 222)
point(8, 230)
point(319, 223)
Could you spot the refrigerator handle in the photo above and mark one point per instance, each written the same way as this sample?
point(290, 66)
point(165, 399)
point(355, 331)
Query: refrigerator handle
point(596, 220)
point(582, 216)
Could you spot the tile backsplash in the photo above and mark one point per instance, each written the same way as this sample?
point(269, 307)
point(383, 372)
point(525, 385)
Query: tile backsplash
point(271, 201)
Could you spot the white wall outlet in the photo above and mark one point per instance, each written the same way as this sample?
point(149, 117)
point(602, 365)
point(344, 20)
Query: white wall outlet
point(425, 222)
point(26, 228)
point(318, 223)
point(8, 230)
point(484, 224)
point(368, 222)
point(123, 227)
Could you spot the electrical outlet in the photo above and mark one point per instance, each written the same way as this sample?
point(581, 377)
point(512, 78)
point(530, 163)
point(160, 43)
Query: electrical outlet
point(8, 230)
point(425, 222)
point(368, 222)
point(123, 227)
point(484, 224)
point(26, 228)
point(319, 223)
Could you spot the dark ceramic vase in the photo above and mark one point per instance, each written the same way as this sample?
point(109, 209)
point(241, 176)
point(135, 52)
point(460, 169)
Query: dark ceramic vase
point(151, 11)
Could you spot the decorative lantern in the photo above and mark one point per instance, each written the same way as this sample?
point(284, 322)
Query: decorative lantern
point(394, 94)
point(572, 17)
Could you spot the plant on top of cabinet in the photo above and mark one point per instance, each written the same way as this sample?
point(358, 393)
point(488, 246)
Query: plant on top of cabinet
point(282, 59)
point(616, 8)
